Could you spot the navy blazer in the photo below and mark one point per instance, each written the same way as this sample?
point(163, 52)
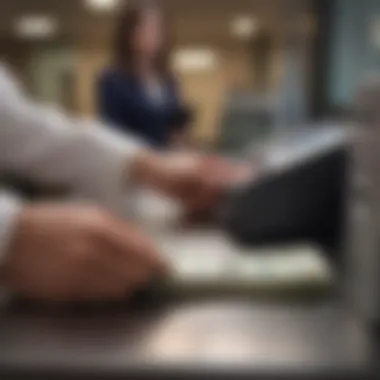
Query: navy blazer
point(124, 103)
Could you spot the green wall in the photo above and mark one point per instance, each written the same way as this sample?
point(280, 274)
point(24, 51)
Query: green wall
point(353, 49)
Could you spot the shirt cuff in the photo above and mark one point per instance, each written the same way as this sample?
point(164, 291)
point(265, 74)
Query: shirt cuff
point(10, 209)
point(107, 158)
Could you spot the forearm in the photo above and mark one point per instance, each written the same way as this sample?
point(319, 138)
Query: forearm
point(171, 173)
point(86, 158)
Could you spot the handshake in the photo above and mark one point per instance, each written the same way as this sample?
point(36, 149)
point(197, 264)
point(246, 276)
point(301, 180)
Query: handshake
point(80, 253)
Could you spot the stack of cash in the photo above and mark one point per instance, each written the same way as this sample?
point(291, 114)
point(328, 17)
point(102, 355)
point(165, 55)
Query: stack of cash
point(206, 263)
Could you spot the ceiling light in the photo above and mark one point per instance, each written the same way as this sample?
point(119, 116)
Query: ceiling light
point(36, 26)
point(244, 26)
point(102, 5)
point(197, 59)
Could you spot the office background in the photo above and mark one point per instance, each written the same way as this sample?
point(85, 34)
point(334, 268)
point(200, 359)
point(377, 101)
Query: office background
point(287, 61)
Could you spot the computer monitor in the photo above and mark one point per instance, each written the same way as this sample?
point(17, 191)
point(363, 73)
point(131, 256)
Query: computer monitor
point(300, 194)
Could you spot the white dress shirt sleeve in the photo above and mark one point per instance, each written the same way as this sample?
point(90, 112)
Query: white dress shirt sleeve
point(10, 208)
point(47, 147)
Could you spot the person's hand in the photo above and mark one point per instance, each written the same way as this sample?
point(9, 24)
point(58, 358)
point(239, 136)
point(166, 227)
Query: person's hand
point(72, 253)
point(198, 181)
point(213, 177)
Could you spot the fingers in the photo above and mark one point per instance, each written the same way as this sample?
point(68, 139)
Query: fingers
point(127, 245)
point(216, 176)
point(124, 262)
point(100, 285)
point(109, 283)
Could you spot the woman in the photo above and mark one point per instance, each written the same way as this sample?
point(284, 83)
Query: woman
point(138, 93)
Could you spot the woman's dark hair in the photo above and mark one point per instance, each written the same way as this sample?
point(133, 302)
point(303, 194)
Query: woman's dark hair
point(124, 54)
